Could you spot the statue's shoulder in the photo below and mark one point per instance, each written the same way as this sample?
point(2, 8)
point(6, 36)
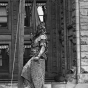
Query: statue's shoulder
point(41, 37)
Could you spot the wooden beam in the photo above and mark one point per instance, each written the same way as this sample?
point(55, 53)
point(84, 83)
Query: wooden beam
point(20, 41)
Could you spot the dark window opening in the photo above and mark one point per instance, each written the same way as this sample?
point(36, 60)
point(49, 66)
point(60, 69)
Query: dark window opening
point(41, 8)
point(27, 50)
point(4, 58)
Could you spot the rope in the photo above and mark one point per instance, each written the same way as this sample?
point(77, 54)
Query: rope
point(15, 52)
point(14, 55)
point(17, 31)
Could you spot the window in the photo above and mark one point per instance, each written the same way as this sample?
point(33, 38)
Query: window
point(41, 13)
point(27, 15)
point(3, 14)
point(4, 58)
point(41, 8)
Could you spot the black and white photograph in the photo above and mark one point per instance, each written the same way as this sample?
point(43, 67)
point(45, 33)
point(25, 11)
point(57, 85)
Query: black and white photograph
point(43, 43)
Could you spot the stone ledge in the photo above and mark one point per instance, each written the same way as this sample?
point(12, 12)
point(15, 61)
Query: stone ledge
point(51, 85)
point(70, 85)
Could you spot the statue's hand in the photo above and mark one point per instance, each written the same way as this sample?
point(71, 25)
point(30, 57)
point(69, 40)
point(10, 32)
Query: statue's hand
point(35, 58)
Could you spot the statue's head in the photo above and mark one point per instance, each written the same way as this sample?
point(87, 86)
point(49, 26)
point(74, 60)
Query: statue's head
point(41, 28)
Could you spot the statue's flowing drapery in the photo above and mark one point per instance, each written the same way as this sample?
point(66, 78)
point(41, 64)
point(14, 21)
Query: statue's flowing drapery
point(34, 70)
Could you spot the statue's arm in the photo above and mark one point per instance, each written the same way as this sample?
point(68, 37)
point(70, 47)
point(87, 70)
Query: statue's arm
point(41, 51)
point(43, 46)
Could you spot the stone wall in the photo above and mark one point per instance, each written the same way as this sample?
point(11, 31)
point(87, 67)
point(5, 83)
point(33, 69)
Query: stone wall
point(82, 32)
point(77, 34)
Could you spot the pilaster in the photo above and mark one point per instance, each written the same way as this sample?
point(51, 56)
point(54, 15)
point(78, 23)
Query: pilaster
point(82, 39)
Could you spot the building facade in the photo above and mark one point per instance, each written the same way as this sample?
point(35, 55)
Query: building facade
point(66, 26)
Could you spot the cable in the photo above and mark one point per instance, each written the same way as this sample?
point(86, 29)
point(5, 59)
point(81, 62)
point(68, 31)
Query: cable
point(15, 52)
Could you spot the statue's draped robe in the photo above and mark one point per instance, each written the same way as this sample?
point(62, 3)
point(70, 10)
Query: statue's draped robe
point(34, 70)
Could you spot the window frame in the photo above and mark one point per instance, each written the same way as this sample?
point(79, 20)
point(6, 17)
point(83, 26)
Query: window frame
point(7, 30)
point(4, 6)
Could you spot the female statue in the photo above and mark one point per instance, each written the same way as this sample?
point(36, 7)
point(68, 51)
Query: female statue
point(34, 70)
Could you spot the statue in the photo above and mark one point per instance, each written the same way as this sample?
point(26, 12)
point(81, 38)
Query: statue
point(33, 72)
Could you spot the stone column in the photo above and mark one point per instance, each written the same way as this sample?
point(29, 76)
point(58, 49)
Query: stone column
point(82, 39)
